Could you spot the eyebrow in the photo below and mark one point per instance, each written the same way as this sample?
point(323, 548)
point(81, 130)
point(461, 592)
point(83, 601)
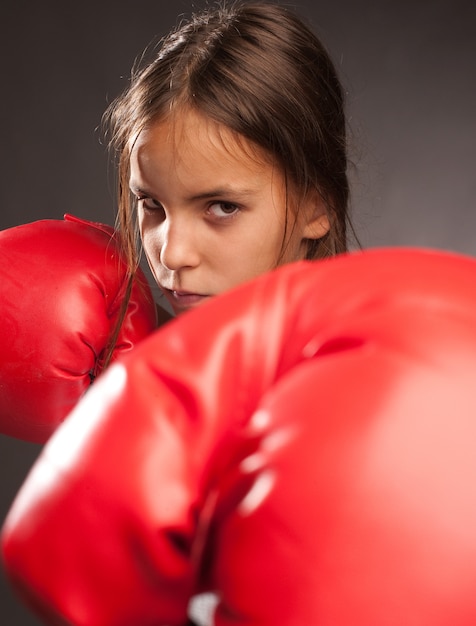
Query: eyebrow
point(204, 195)
point(222, 191)
point(135, 188)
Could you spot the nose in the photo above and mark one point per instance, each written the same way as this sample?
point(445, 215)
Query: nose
point(179, 246)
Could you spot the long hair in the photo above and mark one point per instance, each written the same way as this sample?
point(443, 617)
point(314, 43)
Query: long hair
point(260, 71)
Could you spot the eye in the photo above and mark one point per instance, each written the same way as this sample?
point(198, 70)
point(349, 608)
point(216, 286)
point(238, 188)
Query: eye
point(223, 209)
point(148, 204)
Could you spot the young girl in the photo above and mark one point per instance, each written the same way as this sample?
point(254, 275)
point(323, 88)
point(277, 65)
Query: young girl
point(231, 146)
point(280, 447)
point(231, 150)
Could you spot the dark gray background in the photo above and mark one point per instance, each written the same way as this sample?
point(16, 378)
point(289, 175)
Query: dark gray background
point(409, 70)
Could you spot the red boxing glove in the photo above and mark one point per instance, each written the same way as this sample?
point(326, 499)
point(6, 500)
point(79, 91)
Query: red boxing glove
point(63, 283)
point(302, 446)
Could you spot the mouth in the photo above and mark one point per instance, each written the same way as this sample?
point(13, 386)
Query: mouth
point(181, 301)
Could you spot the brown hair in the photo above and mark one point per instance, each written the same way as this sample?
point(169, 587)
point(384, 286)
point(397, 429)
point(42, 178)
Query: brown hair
point(259, 70)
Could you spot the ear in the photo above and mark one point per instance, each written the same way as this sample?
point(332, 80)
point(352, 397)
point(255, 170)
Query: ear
point(317, 222)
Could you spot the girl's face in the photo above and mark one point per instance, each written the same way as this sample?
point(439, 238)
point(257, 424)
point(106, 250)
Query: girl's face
point(212, 209)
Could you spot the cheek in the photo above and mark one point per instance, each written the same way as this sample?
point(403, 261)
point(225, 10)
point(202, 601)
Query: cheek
point(150, 242)
point(259, 253)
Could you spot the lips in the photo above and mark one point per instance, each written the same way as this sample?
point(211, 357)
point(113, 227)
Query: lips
point(183, 300)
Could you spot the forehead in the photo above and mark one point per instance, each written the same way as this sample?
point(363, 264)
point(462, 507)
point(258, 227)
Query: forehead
point(188, 136)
